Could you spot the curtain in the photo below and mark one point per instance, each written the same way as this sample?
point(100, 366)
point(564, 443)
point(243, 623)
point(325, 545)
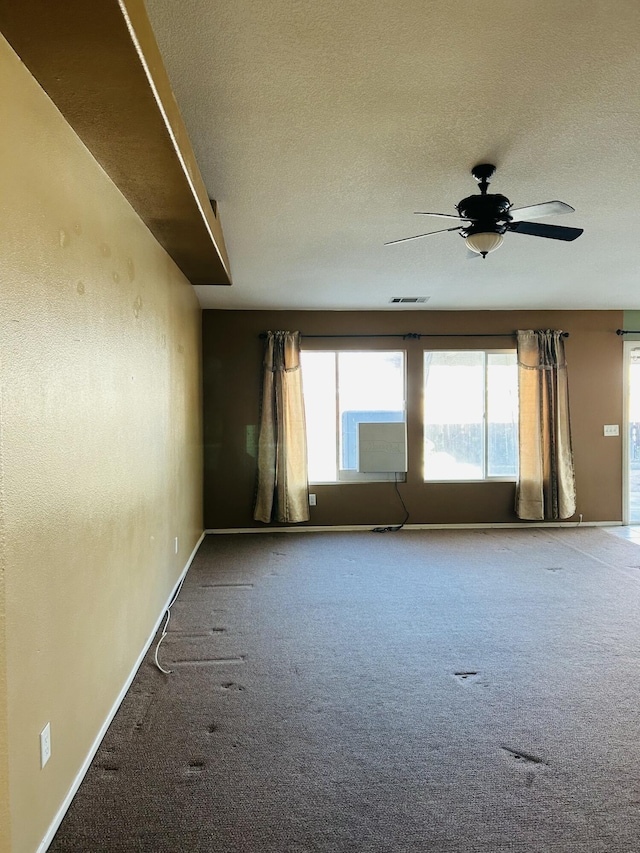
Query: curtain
point(282, 493)
point(546, 486)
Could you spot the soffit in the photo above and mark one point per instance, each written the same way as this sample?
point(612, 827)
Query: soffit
point(100, 64)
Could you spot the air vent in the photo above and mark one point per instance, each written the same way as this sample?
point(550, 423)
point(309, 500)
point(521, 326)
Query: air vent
point(408, 300)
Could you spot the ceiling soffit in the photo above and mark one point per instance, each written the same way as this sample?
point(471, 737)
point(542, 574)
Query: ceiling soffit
point(101, 66)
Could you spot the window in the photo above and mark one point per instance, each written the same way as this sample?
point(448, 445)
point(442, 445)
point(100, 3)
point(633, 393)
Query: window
point(470, 415)
point(341, 390)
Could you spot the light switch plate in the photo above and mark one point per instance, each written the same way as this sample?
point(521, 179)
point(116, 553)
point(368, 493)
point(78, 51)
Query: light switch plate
point(611, 429)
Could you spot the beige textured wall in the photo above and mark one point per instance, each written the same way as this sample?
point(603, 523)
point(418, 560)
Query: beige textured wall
point(5, 839)
point(101, 443)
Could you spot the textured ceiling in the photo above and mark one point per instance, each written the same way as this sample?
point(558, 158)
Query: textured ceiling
point(320, 127)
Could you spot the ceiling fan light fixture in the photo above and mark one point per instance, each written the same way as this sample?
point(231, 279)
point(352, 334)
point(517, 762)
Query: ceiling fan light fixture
point(484, 242)
point(485, 218)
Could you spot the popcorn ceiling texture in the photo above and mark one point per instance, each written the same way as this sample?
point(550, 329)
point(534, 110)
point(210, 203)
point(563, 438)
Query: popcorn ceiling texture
point(321, 127)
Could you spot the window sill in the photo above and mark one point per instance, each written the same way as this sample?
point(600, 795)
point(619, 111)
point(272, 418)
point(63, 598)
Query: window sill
point(360, 479)
point(483, 480)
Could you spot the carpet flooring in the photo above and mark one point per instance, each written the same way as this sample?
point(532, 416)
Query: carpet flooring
point(471, 691)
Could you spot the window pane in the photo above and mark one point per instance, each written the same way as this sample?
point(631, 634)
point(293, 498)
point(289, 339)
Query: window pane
point(371, 389)
point(633, 473)
point(502, 414)
point(453, 415)
point(319, 387)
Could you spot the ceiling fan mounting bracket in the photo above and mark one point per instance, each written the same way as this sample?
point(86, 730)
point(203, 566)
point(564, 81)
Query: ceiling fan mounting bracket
point(483, 173)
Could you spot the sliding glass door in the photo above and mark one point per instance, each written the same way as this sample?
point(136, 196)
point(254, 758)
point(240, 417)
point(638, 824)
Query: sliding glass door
point(632, 433)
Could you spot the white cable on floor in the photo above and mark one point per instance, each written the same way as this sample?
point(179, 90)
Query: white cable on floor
point(166, 624)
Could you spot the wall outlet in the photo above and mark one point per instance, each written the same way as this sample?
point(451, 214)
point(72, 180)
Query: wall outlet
point(611, 429)
point(251, 440)
point(312, 500)
point(45, 744)
point(175, 544)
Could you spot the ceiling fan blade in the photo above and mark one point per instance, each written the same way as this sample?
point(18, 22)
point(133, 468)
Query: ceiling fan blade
point(554, 232)
point(404, 239)
point(441, 215)
point(537, 211)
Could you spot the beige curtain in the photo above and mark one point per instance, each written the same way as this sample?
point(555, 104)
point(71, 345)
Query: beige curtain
point(282, 446)
point(546, 487)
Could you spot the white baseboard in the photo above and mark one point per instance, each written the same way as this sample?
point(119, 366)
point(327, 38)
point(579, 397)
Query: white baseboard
point(53, 828)
point(365, 527)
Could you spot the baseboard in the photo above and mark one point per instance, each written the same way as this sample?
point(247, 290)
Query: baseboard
point(368, 527)
point(53, 828)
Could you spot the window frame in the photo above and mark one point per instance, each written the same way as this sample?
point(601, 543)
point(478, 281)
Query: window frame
point(347, 476)
point(486, 478)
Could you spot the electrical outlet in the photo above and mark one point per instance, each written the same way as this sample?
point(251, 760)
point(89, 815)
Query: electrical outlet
point(175, 544)
point(312, 500)
point(611, 429)
point(45, 744)
point(251, 440)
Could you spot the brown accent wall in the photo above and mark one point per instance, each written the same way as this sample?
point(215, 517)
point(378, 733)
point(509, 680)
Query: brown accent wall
point(232, 353)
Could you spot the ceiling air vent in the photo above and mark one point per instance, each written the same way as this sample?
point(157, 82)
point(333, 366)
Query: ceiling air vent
point(408, 300)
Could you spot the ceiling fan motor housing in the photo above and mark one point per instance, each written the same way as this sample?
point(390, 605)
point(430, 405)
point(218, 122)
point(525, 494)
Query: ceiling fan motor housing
point(489, 212)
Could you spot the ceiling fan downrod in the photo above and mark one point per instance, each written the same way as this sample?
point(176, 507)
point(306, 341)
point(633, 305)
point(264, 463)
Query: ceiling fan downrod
point(483, 174)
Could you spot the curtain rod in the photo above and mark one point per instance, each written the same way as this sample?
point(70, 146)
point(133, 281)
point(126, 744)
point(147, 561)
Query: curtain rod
point(418, 335)
point(627, 332)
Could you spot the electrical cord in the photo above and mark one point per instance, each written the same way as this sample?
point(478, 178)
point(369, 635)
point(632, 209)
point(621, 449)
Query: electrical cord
point(395, 528)
point(166, 625)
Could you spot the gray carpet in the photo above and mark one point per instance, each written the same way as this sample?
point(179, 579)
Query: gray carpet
point(449, 691)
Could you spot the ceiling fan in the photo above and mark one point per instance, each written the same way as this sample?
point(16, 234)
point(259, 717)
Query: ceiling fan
point(487, 217)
